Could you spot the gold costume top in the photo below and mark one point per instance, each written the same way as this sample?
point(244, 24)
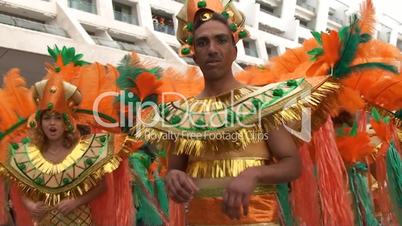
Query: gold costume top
point(226, 134)
point(79, 172)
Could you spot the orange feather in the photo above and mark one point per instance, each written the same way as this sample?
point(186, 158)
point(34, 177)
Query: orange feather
point(188, 84)
point(354, 148)
point(367, 19)
point(350, 100)
point(18, 94)
point(147, 84)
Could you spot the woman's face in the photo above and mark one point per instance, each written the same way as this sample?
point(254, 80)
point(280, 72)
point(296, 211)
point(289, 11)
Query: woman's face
point(53, 125)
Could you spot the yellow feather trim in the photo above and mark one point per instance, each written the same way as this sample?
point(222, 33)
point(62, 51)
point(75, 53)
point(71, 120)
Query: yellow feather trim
point(36, 193)
point(82, 183)
point(47, 167)
point(221, 168)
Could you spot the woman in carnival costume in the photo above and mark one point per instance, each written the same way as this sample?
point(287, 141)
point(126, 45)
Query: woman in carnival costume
point(56, 175)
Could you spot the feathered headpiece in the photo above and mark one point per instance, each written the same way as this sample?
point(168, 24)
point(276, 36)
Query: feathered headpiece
point(204, 9)
point(56, 94)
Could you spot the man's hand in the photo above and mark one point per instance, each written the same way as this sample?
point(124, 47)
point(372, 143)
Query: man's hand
point(237, 194)
point(68, 205)
point(180, 186)
point(37, 209)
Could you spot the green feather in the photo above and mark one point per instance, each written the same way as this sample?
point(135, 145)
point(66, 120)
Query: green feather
point(68, 55)
point(20, 122)
point(146, 211)
point(362, 203)
point(394, 179)
point(316, 52)
point(376, 115)
point(365, 38)
point(343, 32)
point(283, 196)
point(373, 65)
point(348, 53)
point(51, 53)
point(350, 38)
point(341, 69)
point(353, 132)
point(317, 36)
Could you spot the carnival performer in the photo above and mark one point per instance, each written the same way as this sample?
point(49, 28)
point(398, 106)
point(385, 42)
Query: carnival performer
point(58, 176)
point(239, 174)
point(206, 170)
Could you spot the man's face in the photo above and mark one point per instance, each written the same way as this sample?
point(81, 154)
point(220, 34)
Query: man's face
point(214, 50)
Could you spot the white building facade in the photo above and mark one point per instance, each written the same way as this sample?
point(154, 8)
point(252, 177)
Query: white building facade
point(106, 30)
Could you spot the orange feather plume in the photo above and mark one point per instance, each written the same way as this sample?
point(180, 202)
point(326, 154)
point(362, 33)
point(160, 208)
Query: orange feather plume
point(102, 79)
point(147, 84)
point(354, 148)
point(18, 94)
point(332, 46)
point(67, 72)
point(382, 130)
point(367, 19)
point(187, 84)
point(350, 100)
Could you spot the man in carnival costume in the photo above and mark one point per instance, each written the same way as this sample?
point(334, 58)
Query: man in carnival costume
point(229, 147)
point(56, 175)
point(239, 174)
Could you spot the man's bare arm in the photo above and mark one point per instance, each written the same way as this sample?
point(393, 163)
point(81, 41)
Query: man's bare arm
point(181, 187)
point(178, 162)
point(287, 168)
point(288, 165)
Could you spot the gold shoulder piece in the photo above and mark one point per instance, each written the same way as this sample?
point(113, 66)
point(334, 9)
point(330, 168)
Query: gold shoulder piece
point(241, 122)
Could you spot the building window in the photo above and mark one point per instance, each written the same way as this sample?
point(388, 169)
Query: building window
point(124, 13)
point(272, 50)
point(84, 5)
point(306, 5)
point(303, 23)
point(32, 24)
point(163, 22)
point(399, 44)
point(270, 9)
point(385, 33)
point(250, 47)
point(243, 65)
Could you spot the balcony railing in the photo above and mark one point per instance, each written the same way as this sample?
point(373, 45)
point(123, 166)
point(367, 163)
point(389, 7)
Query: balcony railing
point(141, 49)
point(335, 19)
point(168, 29)
point(32, 25)
point(125, 17)
point(305, 5)
point(86, 6)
